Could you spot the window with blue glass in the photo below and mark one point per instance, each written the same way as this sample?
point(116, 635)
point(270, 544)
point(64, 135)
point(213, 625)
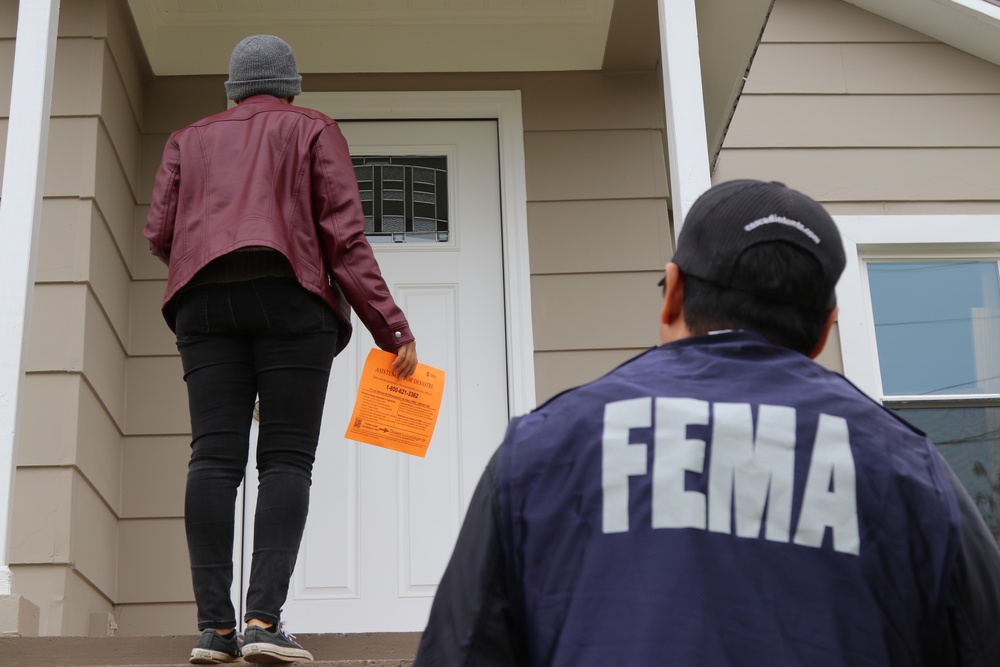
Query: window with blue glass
point(937, 332)
point(405, 198)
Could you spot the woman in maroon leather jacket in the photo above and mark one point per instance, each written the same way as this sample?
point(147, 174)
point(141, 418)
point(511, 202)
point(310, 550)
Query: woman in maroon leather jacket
point(256, 212)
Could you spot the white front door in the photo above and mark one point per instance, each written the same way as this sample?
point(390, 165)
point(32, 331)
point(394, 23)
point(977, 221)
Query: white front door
point(382, 524)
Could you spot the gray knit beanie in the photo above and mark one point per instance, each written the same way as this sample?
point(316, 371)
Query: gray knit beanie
point(262, 65)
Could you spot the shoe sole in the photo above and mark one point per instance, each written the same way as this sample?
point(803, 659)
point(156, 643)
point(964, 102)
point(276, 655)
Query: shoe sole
point(203, 656)
point(261, 652)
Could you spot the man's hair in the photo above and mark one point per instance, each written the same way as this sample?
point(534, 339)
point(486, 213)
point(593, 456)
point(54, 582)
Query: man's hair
point(780, 269)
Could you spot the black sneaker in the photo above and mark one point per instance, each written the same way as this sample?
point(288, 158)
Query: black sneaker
point(213, 648)
point(272, 645)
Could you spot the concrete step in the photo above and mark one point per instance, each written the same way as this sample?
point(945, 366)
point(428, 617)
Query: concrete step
point(376, 649)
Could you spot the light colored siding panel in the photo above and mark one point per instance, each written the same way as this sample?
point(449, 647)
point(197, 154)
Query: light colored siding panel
point(913, 208)
point(559, 371)
point(171, 103)
point(126, 54)
point(8, 19)
point(56, 336)
point(114, 194)
point(152, 152)
point(796, 69)
point(591, 101)
point(99, 449)
point(64, 240)
point(6, 72)
point(831, 356)
point(869, 69)
point(40, 522)
point(49, 418)
point(624, 164)
point(917, 68)
point(153, 545)
point(825, 21)
point(94, 536)
point(83, 18)
point(45, 586)
point(873, 174)
point(120, 121)
point(66, 600)
point(82, 600)
point(590, 311)
point(149, 620)
point(154, 472)
point(71, 159)
point(76, 89)
point(157, 397)
point(875, 120)
point(104, 361)
point(598, 236)
point(109, 277)
point(912, 128)
point(144, 265)
point(150, 334)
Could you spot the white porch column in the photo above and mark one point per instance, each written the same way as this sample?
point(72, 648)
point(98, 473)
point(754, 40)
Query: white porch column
point(20, 214)
point(684, 101)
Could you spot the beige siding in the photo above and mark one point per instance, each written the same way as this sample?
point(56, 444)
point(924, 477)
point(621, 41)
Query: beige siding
point(142, 550)
point(867, 116)
point(598, 228)
point(6, 73)
point(157, 427)
point(69, 475)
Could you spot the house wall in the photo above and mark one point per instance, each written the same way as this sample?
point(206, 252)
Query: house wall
point(597, 216)
point(64, 533)
point(864, 115)
point(867, 116)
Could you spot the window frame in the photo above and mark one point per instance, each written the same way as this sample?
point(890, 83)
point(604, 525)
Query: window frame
point(903, 238)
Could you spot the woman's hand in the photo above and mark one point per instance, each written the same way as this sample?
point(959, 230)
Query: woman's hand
point(406, 360)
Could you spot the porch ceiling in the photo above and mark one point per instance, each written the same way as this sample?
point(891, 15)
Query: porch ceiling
point(368, 36)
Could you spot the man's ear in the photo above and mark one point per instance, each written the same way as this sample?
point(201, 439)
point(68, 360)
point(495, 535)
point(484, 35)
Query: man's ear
point(672, 323)
point(831, 317)
point(673, 295)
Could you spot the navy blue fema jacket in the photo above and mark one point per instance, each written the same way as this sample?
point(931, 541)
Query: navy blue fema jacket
point(718, 501)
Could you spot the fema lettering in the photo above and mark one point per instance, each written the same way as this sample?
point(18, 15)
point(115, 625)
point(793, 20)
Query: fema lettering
point(748, 473)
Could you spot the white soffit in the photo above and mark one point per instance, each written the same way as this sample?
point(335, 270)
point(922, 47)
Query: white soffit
point(338, 36)
point(972, 26)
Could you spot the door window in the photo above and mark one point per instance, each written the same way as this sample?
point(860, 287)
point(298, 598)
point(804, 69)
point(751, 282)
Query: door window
point(405, 198)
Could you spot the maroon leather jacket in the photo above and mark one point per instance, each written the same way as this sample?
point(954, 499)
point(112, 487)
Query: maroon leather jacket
point(266, 173)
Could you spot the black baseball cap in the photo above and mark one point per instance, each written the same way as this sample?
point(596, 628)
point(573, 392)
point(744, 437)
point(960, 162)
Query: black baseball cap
point(736, 215)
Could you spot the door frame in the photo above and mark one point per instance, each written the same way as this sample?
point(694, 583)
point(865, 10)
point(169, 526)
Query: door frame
point(504, 106)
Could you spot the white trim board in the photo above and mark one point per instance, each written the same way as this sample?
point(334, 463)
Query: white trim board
point(20, 218)
point(929, 236)
point(505, 107)
point(684, 106)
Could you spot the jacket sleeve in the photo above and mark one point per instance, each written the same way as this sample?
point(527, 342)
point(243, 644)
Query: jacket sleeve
point(341, 226)
point(471, 621)
point(163, 203)
point(973, 631)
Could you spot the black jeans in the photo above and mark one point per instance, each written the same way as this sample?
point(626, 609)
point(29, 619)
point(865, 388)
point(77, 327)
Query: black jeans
point(266, 338)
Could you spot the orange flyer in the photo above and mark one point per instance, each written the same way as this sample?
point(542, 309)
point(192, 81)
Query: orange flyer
point(393, 413)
